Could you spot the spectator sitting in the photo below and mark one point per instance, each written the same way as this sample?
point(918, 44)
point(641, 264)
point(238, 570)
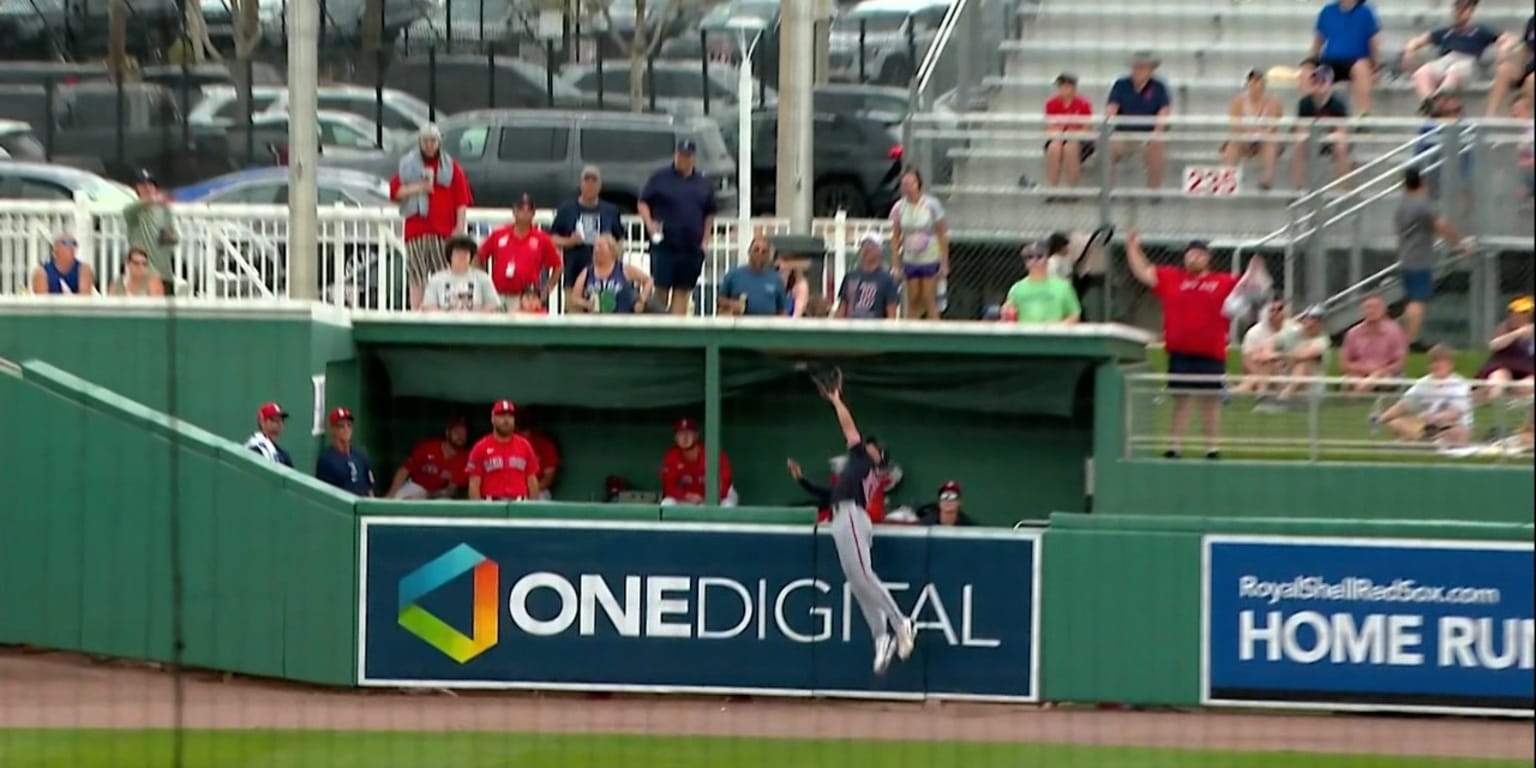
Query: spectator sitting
point(1253, 135)
point(1517, 63)
point(607, 285)
point(1374, 348)
point(796, 287)
point(1445, 112)
point(270, 419)
point(138, 278)
point(436, 467)
point(1512, 351)
point(460, 287)
point(754, 288)
point(1438, 407)
point(1461, 46)
point(518, 254)
point(682, 469)
point(1263, 357)
point(340, 464)
point(579, 223)
point(1320, 103)
point(1140, 95)
point(947, 511)
point(868, 292)
point(434, 196)
point(1306, 355)
point(1066, 154)
point(63, 274)
point(1041, 297)
point(1347, 42)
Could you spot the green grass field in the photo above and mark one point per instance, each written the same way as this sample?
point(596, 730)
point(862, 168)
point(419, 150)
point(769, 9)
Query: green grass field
point(1338, 419)
point(394, 749)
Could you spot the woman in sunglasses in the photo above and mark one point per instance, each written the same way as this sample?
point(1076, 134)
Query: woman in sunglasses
point(138, 278)
point(63, 273)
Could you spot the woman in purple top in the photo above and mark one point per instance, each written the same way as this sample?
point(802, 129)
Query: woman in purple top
point(919, 246)
point(1512, 351)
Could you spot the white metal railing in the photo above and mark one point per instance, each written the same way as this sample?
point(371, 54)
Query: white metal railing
point(1316, 418)
point(240, 251)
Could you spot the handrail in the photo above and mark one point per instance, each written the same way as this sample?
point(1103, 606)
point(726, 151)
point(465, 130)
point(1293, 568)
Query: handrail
point(1348, 179)
point(930, 61)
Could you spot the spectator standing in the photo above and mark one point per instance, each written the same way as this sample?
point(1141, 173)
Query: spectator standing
point(270, 419)
point(518, 254)
point(919, 246)
point(1254, 134)
point(436, 466)
point(609, 286)
point(1512, 351)
point(1195, 319)
point(138, 278)
point(340, 463)
point(579, 223)
point(682, 469)
point(1347, 42)
point(797, 289)
point(1141, 95)
point(868, 292)
point(503, 465)
point(1374, 348)
point(1517, 63)
point(150, 225)
point(460, 287)
point(1438, 407)
point(434, 199)
point(1067, 113)
point(1461, 46)
point(754, 288)
point(64, 274)
point(1264, 353)
point(678, 207)
point(1041, 297)
point(1418, 221)
point(1319, 103)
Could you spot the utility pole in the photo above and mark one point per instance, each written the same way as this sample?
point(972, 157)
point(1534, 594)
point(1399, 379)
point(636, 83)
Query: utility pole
point(796, 58)
point(303, 150)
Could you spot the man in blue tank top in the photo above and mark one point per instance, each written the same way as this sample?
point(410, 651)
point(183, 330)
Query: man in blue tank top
point(63, 274)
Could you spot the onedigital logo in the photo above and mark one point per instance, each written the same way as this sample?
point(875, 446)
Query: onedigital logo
point(438, 633)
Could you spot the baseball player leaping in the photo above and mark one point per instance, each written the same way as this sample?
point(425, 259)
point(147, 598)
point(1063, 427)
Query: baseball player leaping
point(851, 531)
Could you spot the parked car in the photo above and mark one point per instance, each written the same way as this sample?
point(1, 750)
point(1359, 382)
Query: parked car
point(17, 142)
point(892, 34)
point(403, 114)
point(342, 135)
point(679, 85)
point(43, 181)
point(506, 153)
point(454, 83)
point(856, 160)
point(269, 186)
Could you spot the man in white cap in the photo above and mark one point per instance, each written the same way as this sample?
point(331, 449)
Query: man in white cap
point(869, 291)
point(434, 197)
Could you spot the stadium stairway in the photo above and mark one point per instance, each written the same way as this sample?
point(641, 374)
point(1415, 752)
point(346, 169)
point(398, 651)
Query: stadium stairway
point(1205, 48)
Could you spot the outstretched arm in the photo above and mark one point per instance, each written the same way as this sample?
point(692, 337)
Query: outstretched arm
point(832, 389)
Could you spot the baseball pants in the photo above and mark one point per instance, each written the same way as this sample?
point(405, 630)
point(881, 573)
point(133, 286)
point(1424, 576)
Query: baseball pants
point(851, 532)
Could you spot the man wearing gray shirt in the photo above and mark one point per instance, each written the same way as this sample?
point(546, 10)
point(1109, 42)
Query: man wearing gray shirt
point(1419, 223)
point(151, 228)
point(460, 287)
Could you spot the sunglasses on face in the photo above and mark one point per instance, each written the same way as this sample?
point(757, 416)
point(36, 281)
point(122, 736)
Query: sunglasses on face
point(66, 243)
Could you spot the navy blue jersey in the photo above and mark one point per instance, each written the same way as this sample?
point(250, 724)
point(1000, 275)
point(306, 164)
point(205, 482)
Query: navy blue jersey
point(859, 478)
point(348, 471)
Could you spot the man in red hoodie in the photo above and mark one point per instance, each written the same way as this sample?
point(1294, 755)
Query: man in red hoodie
point(682, 469)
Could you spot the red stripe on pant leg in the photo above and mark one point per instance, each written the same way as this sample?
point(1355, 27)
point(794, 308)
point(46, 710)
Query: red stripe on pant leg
point(858, 551)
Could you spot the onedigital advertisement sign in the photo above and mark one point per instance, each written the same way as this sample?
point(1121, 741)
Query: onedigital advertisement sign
point(1381, 624)
point(676, 607)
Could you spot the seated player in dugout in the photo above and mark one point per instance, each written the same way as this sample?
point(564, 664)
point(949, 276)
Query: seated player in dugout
point(682, 469)
point(544, 449)
point(435, 468)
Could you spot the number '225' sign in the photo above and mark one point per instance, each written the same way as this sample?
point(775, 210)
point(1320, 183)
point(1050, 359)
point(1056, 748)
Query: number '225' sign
point(1212, 180)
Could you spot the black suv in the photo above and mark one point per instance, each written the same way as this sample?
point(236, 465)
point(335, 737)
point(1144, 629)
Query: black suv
point(541, 152)
point(856, 160)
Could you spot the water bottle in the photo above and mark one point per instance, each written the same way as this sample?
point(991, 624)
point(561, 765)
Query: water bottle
point(943, 295)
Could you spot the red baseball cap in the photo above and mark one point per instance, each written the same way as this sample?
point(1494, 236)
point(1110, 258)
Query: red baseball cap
point(339, 415)
point(685, 425)
point(949, 486)
point(270, 411)
point(503, 406)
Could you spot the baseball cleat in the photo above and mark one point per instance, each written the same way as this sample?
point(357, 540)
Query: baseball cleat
point(885, 650)
point(906, 637)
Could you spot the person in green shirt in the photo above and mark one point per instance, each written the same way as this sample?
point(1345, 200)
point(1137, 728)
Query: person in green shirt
point(1041, 297)
point(150, 226)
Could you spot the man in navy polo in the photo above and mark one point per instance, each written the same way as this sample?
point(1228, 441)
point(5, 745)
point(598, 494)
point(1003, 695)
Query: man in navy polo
point(340, 464)
point(678, 207)
point(1140, 95)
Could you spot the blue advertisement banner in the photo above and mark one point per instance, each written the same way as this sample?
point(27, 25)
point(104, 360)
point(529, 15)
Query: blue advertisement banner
point(1380, 624)
point(679, 607)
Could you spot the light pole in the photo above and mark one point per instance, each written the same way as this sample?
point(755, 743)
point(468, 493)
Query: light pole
point(749, 30)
